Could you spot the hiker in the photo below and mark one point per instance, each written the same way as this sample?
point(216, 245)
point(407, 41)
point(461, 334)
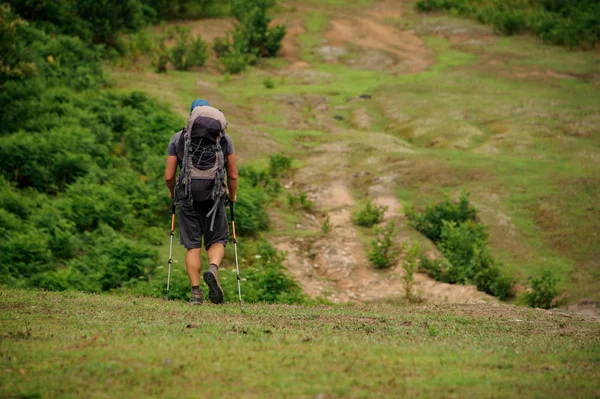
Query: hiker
point(203, 152)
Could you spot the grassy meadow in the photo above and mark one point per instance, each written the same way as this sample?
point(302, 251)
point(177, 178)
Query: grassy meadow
point(74, 344)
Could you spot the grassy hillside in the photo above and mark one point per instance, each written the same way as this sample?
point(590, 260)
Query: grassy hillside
point(73, 345)
point(451, 105)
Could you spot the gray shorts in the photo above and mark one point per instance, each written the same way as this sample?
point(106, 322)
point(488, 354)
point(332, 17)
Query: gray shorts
point(193, 225)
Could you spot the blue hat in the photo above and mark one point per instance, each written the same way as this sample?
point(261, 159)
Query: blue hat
point(198, 103)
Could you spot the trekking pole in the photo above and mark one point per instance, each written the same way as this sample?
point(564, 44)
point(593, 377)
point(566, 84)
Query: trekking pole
point(237, 268)
point(171, 247)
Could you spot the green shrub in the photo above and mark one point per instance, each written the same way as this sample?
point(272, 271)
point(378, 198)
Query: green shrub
point(489, 275)
point(458, 244)
point(300, 199)
point(269, 83)
point(24, 253)
point(251, 216)
point(180, 52)
point(436, 268)
point(431, 221)
point(573, 23)
point(234, 62)
point(543, 291)
point(262, 179)
point(251, 39)
point(369, 214)
point(279, 164)
point(198, 55)
point(384, 250)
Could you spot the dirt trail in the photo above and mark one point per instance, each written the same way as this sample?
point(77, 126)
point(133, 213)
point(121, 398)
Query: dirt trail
point(335, 266)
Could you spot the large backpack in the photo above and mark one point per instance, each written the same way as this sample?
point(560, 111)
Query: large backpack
point(202, 175)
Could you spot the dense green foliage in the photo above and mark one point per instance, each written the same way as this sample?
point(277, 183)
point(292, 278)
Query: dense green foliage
point(543, 291)
point(566, 22)
point(101, 21)
point(368, 215)
point(81, 188)
point(252, 37)
point(79, 167)
point(464, 245)
point(430, 221)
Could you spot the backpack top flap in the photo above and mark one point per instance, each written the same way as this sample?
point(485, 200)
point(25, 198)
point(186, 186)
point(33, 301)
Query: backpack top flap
point(205, 127)
point(202, 122)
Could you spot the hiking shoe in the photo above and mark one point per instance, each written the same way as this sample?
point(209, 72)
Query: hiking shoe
point(211, 278)
point(196, 298)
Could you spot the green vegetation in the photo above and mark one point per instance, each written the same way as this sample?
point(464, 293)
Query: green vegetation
point(543, 291)
point(81, 192)
point(187, 51)
point(410, 265)
point(574, 23)
point(369, 214)
point(430, 222)
point(464, 244)
point(252, 37)
point(141, 347)
point(384, 249)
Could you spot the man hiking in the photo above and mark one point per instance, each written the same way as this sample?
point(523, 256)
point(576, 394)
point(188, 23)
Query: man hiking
point(203, 152)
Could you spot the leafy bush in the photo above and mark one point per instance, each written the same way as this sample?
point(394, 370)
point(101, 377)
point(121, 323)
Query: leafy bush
point(384, 250)
point(187, 51)
point(278, 164)
point(463, 243)
point(543, 291)
point(252, 37)
point(269, 83)
point(458, 244)
point(431, 221)
point(251, 216)
point(574, 23)
point(234, 62)
point(369, 214)
point(98, 21)
point(489, 275)
point(262, 179)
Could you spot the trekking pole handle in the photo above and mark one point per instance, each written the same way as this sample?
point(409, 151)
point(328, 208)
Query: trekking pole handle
point(231, 212)
point(173, 218)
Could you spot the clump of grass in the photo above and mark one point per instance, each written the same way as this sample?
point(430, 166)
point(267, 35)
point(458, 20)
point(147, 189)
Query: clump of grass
point(326, 226)
point(369, 214)
point(301, 200)
point(269, 83)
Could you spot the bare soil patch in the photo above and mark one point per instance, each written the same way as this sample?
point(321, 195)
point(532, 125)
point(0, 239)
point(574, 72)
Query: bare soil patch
point(368, 34)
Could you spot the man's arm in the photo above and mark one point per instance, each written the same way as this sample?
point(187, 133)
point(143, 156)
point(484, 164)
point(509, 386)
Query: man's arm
point(232, 177)
point(170, 171)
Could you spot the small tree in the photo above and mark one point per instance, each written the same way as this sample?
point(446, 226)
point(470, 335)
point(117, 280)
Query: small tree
point(543, 291)
point(251, 39)
point(410, 265)
point(384, 249)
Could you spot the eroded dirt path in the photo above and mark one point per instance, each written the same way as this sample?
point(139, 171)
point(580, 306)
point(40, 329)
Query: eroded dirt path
point(335, 266)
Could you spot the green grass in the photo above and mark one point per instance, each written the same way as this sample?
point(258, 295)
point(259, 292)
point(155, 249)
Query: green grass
point(73, 345)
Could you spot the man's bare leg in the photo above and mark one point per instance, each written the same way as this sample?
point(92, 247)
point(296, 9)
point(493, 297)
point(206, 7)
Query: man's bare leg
point(216, 253)
point(211, 276)
point(194, 266)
